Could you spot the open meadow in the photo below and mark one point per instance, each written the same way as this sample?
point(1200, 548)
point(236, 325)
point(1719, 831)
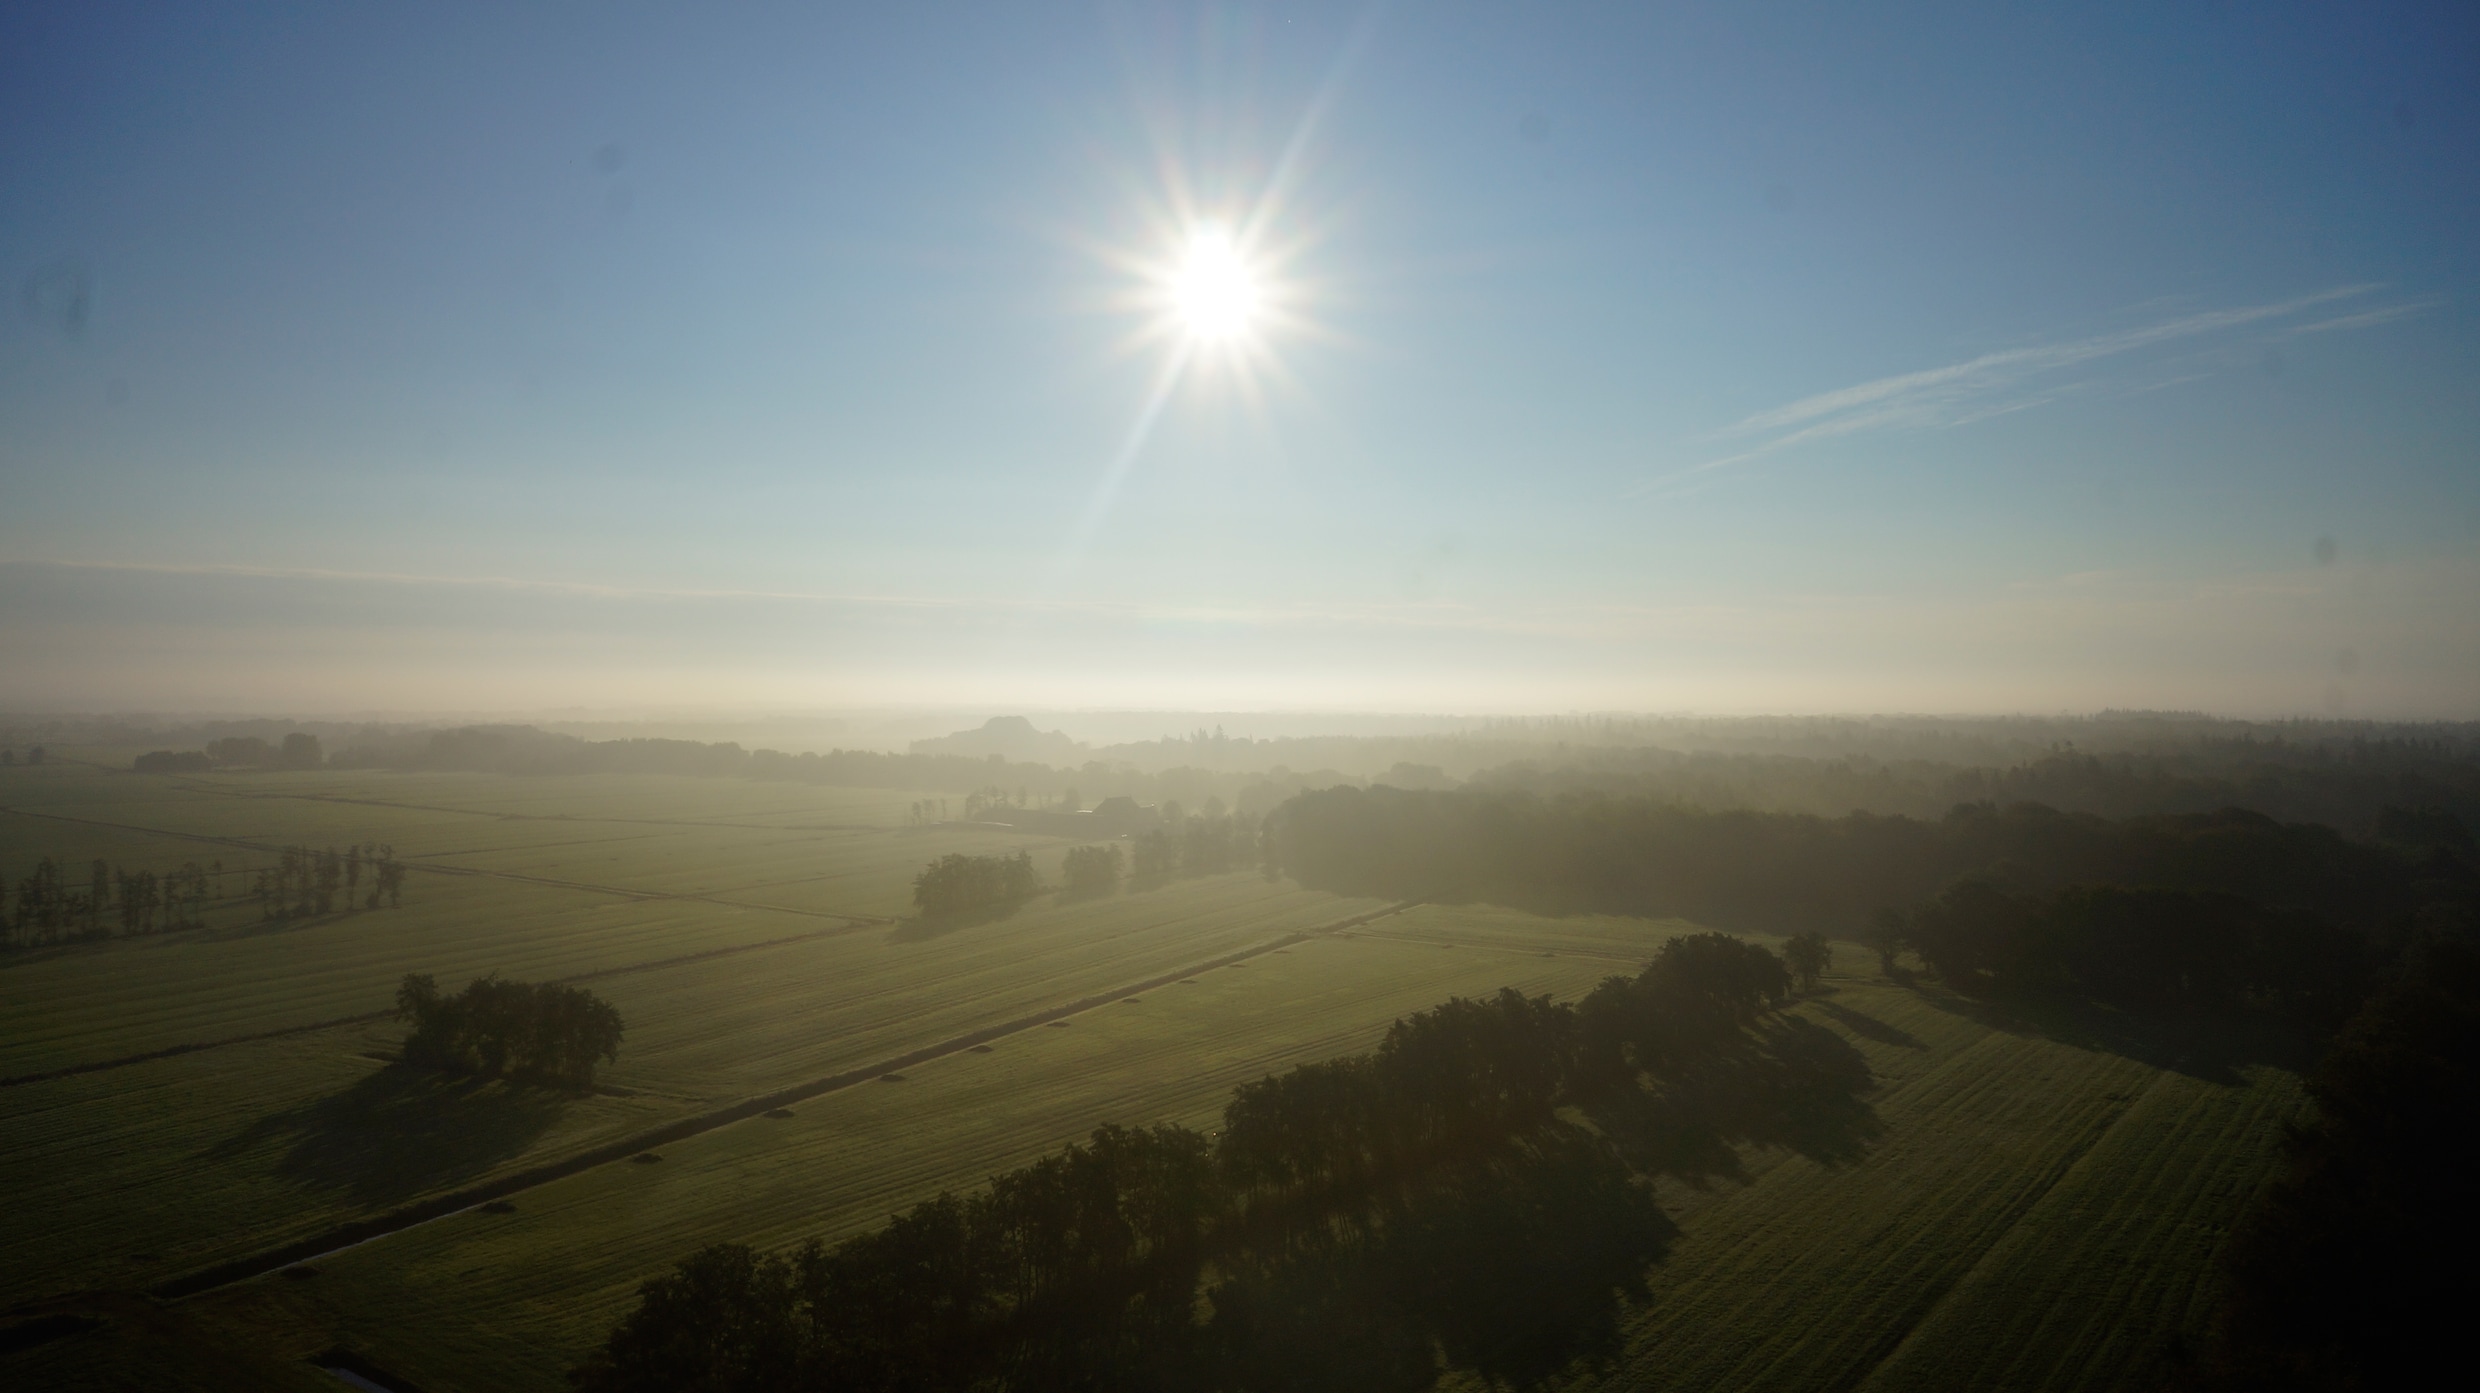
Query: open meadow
point(2009, 1203)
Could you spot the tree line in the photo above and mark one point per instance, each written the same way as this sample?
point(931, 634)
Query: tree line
point(299, 750)
point(304, 882)
point(1086, 1269)
point(540, 1032)
point(516, 749)
point(1206, 844)
point(1794, 872)
point(51, 908)
point(957, 884)
point(54, 905)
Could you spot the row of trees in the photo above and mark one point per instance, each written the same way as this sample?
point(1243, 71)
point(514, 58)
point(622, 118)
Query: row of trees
point(304, 882)
point(960, 884)
point(53, 905)
point(541, 1032)
point(50, 908)
point(1086, 1269)
point(1786, 872)
point(299, 750)
point(957, 884)
point(1206, 844)
point(1000, 783)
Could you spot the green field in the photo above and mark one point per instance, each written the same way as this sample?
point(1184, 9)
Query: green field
point(2015, 1206)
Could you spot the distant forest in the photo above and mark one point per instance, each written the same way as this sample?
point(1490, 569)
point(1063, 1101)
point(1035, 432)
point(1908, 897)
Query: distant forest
point(2342, 774)
point(1789, 872)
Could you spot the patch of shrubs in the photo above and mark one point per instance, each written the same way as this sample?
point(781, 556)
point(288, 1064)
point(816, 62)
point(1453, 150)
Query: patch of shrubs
point(957, 884)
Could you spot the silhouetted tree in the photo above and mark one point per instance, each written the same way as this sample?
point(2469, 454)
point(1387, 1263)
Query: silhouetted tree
point(1889, 929)
point(1157, 855)
point(961, 884)
point(1091, 870)
point(540, 1031)
point(1808, 955)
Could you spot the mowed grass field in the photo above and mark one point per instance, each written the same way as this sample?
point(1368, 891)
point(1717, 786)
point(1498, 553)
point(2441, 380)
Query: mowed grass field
point(128, 1176)
point(2027, 1212)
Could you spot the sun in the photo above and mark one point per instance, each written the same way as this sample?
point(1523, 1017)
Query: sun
point(1214, 292)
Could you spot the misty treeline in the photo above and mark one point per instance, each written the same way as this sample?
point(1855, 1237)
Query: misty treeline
point(2343, 784)
point(538, 1032)
point(2116, 764)
point(1092, 870)
point(297, 750)
point(1792, 872)
point(1351, 1224)
point(1207, 844)
point(957, 884)
point(527, 750)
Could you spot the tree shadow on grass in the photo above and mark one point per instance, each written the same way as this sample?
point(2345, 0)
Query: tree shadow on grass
point(1786, 1082)
point(265, 928)
point(1867, 1027)
point(400, 1132)
point(2212, 1045)
point(921, 928)
point(1515, 1268)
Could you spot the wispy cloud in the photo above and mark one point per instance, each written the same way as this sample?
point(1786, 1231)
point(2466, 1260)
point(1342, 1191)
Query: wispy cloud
point(2005, 381)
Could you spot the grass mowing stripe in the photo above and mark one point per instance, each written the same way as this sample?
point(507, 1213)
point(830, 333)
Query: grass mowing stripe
point(367, 1017)
point(1993, 1256)
point(198, 786)
point(413, 864)
point(355, 1234)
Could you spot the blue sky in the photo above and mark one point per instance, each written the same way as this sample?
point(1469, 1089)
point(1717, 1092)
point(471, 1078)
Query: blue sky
point(1936, 358)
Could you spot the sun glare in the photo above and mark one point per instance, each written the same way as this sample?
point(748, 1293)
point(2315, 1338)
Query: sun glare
point(1214, 290)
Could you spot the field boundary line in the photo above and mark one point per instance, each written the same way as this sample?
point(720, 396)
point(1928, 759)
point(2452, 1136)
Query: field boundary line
point(1508, 948)
point(355, 1234)
point(367, 1017)
point(219, 790)
point(415, 864)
